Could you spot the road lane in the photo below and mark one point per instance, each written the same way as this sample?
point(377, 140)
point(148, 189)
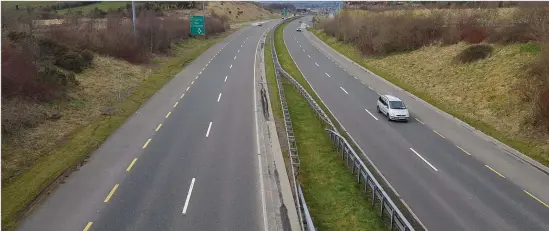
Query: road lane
point(153, 177)
point(463, 195)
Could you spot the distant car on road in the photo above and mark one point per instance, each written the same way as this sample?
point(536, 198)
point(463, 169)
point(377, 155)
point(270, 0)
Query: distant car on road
point(392, 107)
point(259, 24)
point(298, 29)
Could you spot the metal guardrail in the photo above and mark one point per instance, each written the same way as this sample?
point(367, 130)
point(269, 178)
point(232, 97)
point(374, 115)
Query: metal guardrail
point(397, 221)
point(292, 145)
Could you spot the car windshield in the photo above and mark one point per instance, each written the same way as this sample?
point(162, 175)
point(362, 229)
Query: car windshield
point(397, 105)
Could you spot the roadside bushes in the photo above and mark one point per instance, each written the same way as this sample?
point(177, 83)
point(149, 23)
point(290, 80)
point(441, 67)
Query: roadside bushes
point(397, 31)
point(114, 35)
point(474, 53)
point(536, 87)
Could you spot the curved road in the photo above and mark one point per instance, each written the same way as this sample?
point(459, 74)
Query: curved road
point(448, 187)
point(186, 160)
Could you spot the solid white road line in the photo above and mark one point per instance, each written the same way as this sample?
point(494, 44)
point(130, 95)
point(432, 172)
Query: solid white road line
point(219, 97)
point(209, 127)
point(419, 121)
point(344, 90)
point(231, 66)
point(327, 74)
point(316, 64)
point(371, 114)
point(433, 167)
point(226, 78)
point(188, 197)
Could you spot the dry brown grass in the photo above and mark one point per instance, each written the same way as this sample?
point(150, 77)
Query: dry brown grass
point(98, 90)
point(249, 11)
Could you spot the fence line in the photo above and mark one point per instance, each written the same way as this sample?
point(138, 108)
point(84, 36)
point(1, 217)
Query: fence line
point(388, 209)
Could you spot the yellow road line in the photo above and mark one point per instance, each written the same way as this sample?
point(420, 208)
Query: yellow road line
point(111, 193)
point(168, 115)
point(463, 150)
point(439, 134)
point(88, 226)
point(158, 127)
point(493, 170)
point(131, 165)
point(175, 105)
point(182, 96)
point(146, 143)
point(540, 201)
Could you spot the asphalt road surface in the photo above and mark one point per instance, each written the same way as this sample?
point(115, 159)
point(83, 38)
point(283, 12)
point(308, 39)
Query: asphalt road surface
point(448, 187)
point(186, 160)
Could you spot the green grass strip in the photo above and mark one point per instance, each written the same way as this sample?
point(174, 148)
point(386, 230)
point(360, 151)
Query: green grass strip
point(21, 192)
point(529, 148)
point(335, 200)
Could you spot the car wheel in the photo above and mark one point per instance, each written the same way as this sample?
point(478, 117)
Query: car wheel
point(378, 111)
point(388, 117)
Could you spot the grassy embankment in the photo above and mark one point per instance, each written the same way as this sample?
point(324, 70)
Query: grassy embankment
point(335, 201)
point(56, 146)
point(483, 94)
point(105, 6)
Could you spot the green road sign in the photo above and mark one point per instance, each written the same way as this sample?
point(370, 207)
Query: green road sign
point(197, 25)
point(284, 12)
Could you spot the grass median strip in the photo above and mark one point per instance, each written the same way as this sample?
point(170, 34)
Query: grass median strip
point(21, 191)
point(335, 201)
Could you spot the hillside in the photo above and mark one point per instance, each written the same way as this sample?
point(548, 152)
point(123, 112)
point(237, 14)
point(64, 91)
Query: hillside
point(240, 11)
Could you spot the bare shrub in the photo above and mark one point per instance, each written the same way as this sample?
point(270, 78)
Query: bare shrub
point(114, 35)
point(474, 53)
point(537, 80)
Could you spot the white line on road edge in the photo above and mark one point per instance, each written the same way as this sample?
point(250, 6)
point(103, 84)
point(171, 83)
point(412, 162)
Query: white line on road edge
point(226, 78)
point(265, 223)
point(419, 121)
point(231, 66)
point(219, 97)
point(209, 127)
point(188, 197)
point(370, 113)
point(316, 64)
point(327, 74)
point(344, 90)
point(424, 159)
point(309, 56)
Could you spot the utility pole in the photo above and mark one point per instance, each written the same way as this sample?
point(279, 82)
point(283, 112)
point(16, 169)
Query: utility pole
point(133, 17)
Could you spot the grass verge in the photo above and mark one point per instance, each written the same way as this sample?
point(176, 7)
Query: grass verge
point(478, 103)
point(335, 201)
point(20, 192)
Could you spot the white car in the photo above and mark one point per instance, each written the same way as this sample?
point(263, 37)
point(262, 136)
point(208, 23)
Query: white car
point(393, 108)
